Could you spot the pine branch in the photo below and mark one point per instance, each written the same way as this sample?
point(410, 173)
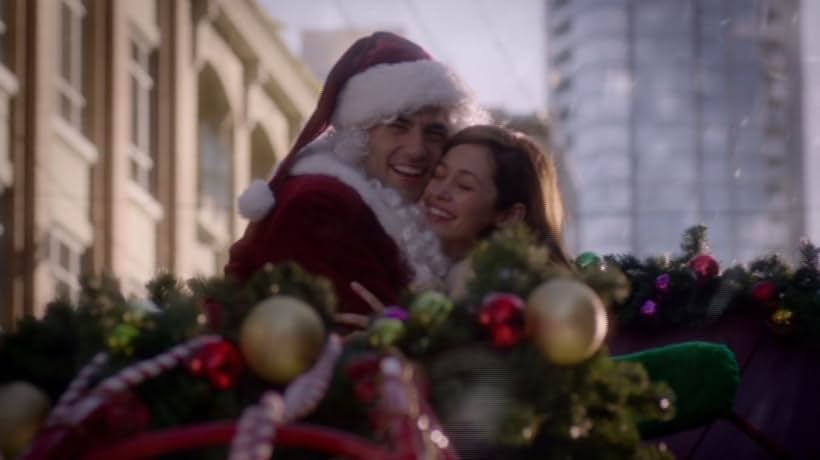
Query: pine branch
point(809, 255)
point(694, 242)
point(164, 289)
point(769, 267)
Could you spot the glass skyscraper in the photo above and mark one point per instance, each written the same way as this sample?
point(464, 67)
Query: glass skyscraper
point(678, 112)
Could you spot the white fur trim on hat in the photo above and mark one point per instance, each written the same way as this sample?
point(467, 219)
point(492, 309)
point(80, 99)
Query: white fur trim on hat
point(386, 90)
point(256, 201)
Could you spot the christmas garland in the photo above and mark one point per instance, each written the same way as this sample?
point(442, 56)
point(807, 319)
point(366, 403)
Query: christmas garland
point(495, 365)
point(519, 309)
point(690, 291)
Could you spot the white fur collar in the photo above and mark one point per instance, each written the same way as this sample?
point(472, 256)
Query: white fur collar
point(403, 222)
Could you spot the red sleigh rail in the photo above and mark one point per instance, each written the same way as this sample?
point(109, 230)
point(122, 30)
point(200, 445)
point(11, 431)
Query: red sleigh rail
point(150, 445)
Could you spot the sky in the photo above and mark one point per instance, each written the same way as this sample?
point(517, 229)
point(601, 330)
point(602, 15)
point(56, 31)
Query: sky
point(497, 49)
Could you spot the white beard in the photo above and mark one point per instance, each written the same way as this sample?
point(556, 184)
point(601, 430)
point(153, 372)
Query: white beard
point(340, 154)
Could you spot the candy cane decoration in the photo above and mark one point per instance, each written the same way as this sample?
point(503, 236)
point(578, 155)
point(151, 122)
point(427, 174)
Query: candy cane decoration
point(258, 424)
point(412, 423)
point(305, 393)
point(76, 388)
point(137, 373)
point(73, 408)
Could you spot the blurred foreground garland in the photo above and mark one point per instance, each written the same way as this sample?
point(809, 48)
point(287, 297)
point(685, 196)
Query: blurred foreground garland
point(503, 379)
point(689, 291)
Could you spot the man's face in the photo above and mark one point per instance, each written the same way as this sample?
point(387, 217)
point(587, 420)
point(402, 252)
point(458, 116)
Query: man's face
point(403, 153)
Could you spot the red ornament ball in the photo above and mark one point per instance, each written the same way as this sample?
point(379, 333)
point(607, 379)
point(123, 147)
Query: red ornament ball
point(221, 363)
point(503, 316)
point(506, 336)
point(363, 373)
point(765, 293)
point(705, 267)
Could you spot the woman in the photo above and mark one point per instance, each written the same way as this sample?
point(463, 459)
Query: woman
point(488, 178)
point(491, 177)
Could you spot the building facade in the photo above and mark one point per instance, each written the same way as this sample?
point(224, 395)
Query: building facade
point(127, 129)
point(810, 32)
point(674, 113)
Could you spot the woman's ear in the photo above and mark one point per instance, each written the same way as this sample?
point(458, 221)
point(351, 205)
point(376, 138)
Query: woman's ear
point(511, 216)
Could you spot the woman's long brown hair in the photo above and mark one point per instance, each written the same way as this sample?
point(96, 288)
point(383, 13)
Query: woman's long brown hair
point(524, 173)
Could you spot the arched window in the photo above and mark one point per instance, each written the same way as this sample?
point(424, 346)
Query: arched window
point(215, 169)
point(263, 156)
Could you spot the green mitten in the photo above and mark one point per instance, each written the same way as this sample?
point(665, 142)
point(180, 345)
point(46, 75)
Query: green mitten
point(704, 376)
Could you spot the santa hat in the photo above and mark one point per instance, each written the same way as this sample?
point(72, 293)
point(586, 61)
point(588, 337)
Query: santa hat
point(378, 77)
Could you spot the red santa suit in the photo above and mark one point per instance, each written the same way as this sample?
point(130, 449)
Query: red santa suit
point(321, 210)
point(336, 223)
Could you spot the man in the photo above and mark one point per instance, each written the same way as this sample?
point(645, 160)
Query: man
point(341, 203)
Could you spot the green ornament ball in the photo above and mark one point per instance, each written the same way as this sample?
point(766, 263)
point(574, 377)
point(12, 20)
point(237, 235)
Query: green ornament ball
point(587, 259)
point(122, 338)
point(609, 281)
point(430, 309)
point(386, 332)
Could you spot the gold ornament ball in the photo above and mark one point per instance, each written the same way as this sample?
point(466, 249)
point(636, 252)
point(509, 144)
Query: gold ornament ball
point(23, 408)
point(782, 317)
point(622, 287)
point(782, 322)
point(566, 320)
point(281, 338)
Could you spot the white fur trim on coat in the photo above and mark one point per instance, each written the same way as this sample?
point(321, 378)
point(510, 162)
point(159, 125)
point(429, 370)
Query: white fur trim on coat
point(256, 201)
point(386, 90)
point(403, 222)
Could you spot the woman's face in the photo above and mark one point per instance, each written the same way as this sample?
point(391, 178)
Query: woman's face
point(460, 199)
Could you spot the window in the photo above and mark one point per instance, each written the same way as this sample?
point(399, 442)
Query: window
point(562, 57)
point(562, 28)
point(65, 264)
point(564, 113)
point(143, 116)
point(263, 156)
point(563, 85)
point(773, 14)
point(559, 3)
point(4, 257)
point(72, 81)
point(4, 31)
point(567, 142)
point(216, 169)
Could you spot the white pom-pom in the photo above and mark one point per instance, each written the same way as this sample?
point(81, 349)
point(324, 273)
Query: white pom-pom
point(256, 201)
